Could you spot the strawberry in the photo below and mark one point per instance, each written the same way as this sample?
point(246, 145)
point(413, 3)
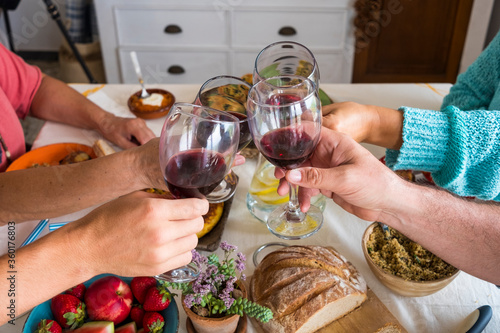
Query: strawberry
point(48, 326)
point(137, 315)
point(140, 286)
point(157, 299)
point(68, 311)
point(153, 322)
point(78, 291)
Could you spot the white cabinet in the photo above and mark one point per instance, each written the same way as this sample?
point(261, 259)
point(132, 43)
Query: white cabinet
point(189, 41)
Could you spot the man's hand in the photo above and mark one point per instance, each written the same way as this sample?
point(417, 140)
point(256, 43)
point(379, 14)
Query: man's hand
point(138, 234)
point(341, 169)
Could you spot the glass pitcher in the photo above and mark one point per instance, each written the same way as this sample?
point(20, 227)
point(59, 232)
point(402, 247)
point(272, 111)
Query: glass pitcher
point(263, 198)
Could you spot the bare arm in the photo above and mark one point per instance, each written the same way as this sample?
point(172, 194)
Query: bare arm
point(54, 191)
point(56, 101)
point(462, 232)
point(139, 234)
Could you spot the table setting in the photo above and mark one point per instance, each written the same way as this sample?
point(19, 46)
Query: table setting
point(325, 232)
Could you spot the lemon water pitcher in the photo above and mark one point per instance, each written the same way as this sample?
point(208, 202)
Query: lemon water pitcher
point(263, 198)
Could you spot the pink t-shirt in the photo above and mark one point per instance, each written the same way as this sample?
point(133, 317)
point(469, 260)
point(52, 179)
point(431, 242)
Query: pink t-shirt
point(18, 85)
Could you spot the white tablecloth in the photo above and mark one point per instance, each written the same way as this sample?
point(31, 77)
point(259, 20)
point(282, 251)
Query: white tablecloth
point(440, 312)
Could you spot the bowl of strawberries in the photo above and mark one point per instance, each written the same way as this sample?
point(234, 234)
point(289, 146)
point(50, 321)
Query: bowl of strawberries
point(105, 304)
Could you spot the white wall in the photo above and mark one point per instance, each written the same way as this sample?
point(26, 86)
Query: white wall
point(33, 27)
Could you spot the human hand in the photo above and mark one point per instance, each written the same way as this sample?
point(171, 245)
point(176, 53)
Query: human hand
point(353, 119)
point(377, 125)
point(125, 132)
point(137, 234)
point(347, 173)
point(146, 163)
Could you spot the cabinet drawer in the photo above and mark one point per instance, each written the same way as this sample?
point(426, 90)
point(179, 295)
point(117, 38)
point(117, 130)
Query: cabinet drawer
point(191, 67)
point(331, 65)
point(313, 29)
point(170, 27)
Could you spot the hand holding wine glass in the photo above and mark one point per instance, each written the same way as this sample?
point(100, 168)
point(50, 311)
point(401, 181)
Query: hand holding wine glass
point(285, 122)
point(197, 149)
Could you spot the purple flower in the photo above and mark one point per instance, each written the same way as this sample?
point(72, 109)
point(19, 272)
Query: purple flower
point(211, 280)
point(198, 259)
point(240, 262)
point(243, 277)
point(227, 247)
point(219, 278)
point(188, 300)
point(201, 289)
point(228, 301)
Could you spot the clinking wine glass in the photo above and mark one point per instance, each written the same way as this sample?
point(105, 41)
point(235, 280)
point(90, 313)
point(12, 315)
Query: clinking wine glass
point(229, 94)
point(284, 115)
point(197, 149)
point(286, 58)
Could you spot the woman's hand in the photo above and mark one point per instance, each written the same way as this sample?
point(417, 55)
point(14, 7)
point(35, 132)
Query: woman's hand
point(353, 119)
point(366, 123)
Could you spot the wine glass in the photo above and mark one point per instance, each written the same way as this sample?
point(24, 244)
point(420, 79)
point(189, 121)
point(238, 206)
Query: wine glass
point(197, 149)
point(286, 58)
point(229, 94)
point(284, 116)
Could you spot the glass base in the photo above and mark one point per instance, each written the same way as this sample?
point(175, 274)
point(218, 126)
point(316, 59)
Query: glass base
point(280, 224)
point(261, 210)
point(182, 274)
point(225, 190)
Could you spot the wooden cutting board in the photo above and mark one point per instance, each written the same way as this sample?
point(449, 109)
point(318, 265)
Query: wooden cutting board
point(371, 316)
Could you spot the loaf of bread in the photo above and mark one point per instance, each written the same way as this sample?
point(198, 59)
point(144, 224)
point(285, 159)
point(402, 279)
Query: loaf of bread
point(306, 287)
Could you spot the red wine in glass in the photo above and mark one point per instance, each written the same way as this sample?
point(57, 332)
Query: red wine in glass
point(194, 173)
point(287, 148)
point(280, 99)
point(284, 114)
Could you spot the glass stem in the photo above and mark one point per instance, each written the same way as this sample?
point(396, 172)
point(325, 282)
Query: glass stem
point(294, 214)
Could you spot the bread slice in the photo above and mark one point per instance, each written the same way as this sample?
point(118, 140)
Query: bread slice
point(102, 148)
point(306, 287)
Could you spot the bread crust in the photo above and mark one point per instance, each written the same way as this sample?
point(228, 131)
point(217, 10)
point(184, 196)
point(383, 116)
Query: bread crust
point(306, 287)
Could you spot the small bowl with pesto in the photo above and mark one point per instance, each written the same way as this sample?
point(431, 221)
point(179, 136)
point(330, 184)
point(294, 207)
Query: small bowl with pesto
point(404, 266)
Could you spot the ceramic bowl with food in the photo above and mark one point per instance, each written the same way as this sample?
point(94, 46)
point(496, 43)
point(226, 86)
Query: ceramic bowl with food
point(404, 266)
point(157, 105)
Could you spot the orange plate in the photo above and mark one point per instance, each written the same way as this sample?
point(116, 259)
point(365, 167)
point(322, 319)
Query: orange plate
point(50, 154)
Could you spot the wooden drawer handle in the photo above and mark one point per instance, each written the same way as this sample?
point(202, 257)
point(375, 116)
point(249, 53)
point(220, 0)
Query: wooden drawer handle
point(175, 69)
point(287, 31)
point(172, 29)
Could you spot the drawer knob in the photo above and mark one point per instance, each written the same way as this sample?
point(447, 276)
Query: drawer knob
point(175, 69)
point(287, 31)
point(172, 29)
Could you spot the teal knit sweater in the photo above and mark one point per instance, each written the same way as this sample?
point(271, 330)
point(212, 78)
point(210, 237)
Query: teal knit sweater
point(459, 145)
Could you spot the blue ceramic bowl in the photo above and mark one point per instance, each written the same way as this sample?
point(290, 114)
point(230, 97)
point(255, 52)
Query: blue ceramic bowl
point(42, 311)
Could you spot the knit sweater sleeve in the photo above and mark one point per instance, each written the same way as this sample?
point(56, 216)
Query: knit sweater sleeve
point(475, 88)
point(459, 148)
